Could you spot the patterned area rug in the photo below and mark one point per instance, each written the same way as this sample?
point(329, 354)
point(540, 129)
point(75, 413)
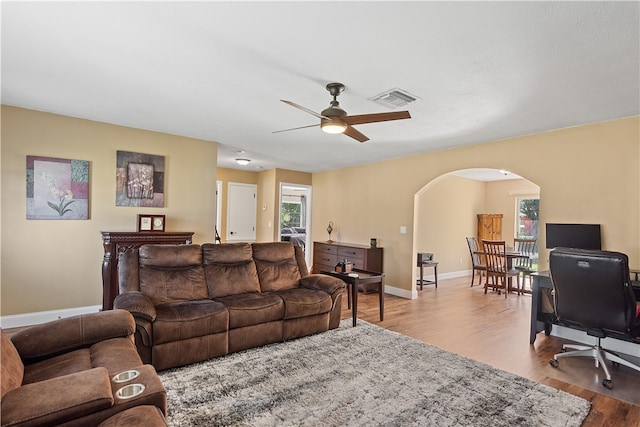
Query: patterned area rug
point(362, 376)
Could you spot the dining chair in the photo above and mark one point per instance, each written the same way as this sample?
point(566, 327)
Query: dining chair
point(476, 260)
point(498, 266)
point(527, 248)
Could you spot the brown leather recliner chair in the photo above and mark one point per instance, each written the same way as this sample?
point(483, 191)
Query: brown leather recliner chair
point(62, 372)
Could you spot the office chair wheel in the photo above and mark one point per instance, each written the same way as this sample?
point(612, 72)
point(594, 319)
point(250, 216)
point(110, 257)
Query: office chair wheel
point(607, 383)
point(554, 363)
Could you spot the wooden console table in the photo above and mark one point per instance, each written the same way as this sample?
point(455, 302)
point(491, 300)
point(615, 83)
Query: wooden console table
point(327, 254)
point(115, 242)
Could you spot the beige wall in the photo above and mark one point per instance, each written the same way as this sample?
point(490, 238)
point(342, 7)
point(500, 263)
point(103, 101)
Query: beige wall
point(445, 215)
point(267, 207)
point(48, 265)
point(586, 174)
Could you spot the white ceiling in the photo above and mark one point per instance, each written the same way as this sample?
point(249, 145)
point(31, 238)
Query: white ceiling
point(217, 70)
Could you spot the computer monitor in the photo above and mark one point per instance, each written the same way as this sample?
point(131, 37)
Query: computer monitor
point(578, 236)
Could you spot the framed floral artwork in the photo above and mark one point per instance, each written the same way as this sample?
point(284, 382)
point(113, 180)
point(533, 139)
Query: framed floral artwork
point(139, 180)
point(57, 188)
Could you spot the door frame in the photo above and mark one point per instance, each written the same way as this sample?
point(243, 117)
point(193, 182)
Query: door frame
point(307, 226)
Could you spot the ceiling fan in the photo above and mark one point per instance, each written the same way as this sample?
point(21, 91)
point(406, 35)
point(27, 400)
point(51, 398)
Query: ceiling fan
point(335, 120)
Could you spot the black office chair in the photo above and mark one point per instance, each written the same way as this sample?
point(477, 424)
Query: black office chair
point(592, 292)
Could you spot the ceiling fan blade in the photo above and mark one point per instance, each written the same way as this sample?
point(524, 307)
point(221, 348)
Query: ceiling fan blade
point(355, 134)
point(301, 127)
point(375, 117)
point(300, 107)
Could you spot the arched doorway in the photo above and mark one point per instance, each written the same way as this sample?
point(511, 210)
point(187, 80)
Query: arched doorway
point(445, 212)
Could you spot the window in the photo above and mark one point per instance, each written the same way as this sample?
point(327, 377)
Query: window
point(291, 215)
point(527, 214)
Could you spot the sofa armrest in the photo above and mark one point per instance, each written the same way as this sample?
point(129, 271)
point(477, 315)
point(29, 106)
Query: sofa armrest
point(138, 304)
point(57, 400)
point(322, 282)
point(68, 334)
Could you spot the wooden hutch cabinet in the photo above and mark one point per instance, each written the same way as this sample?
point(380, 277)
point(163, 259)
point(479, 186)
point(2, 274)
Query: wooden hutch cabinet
point(489, 227)
point(115, 242)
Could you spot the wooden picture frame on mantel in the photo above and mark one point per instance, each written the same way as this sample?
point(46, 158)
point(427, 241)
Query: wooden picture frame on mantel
point(148, 223)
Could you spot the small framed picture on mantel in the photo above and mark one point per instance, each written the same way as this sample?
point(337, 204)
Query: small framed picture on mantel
point(151, 222)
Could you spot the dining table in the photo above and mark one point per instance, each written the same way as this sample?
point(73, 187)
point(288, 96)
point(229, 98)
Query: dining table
point(510, 255)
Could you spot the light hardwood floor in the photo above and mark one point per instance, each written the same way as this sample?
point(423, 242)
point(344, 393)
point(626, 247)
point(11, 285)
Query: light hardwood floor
point(495, 331)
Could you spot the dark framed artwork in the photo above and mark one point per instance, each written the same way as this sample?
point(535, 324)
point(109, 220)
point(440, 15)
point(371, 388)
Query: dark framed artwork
point(139, 180)
point(57, 188)
point(151, 222)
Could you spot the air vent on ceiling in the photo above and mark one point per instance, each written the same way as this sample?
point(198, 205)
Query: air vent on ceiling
point(394, 98)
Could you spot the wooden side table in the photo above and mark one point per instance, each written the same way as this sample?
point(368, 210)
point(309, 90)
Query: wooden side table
point(360, 277)
point(422, 281)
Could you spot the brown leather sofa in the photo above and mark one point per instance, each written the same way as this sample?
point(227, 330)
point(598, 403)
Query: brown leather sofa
point(195, 302)
point(62, 373)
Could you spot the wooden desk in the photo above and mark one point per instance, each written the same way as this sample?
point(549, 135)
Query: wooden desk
point(363, 278)
point(115, 242)
point(542, 315)
point(540, 320)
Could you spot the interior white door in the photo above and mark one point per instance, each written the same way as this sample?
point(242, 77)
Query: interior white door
point(241, 212)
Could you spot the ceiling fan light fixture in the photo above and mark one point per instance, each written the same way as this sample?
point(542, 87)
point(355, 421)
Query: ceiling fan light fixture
point(333, 126)
point(243, 162)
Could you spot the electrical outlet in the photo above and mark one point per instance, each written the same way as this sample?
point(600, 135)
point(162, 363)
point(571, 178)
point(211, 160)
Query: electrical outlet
point(403, 229)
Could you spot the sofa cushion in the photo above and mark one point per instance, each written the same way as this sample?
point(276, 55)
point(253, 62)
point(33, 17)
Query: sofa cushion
point(59, 400)
point(302, 263)
point(304, 302)
point(188, 319)
point(253, 308)
point(171, 273)
point(116, 355)
point(63, 364)
point(276, 265)
point(12, 369)
point(229, 269)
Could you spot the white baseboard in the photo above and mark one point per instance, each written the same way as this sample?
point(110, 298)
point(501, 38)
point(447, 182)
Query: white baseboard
point(613, 344)
point(413, 294)
point(403, 293)
point(28, 319)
